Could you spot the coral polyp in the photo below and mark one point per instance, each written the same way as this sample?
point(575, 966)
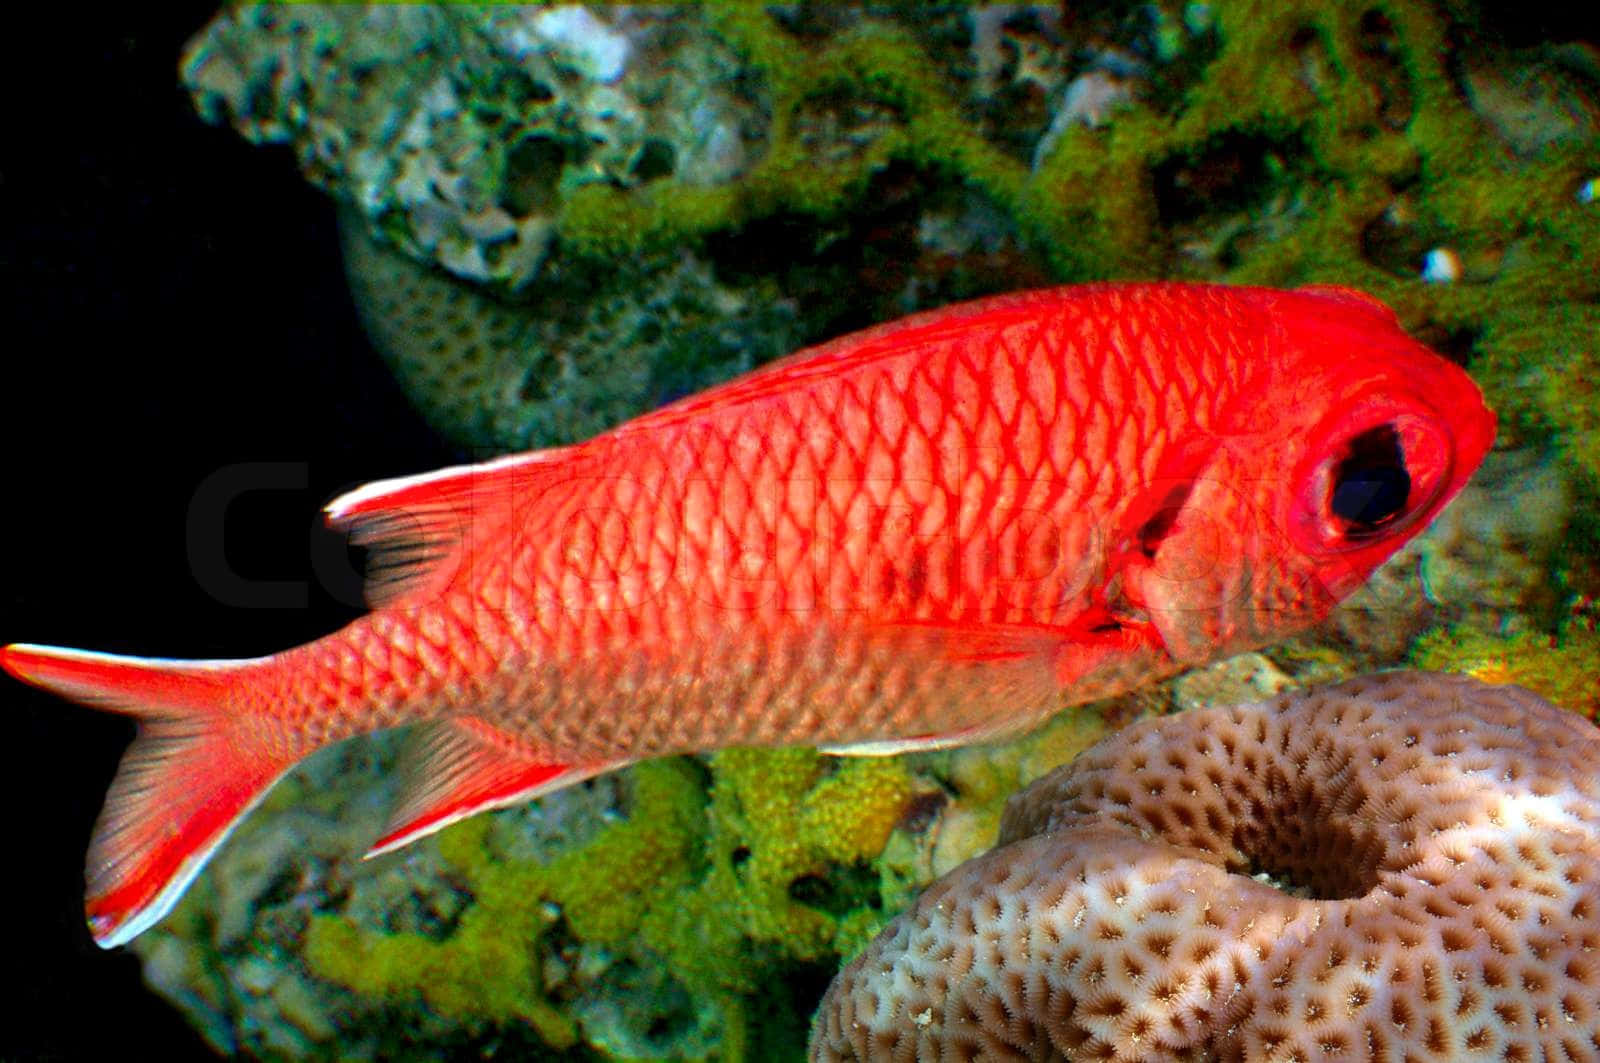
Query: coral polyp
point(1405, 864)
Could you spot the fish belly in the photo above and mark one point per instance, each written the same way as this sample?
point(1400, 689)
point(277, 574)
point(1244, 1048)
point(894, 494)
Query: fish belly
point(824, 687)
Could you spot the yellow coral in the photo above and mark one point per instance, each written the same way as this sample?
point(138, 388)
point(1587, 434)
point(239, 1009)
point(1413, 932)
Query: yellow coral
point(487, 968)
point(718, 890)
point(1564, 669)
point(984, 777)
point(791, 833)
point(484, 970)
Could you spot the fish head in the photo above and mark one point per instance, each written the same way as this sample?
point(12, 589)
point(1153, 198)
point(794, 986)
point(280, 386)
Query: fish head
point(1346, 446)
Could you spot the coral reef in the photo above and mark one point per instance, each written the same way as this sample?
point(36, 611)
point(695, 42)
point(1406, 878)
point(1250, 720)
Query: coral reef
point(576, 356)
point(486, 966)
point(457, 131)
point(1403, 865)
point(768, 866)
point(643, 914)
point(858, 165)
point(554, 219)
point(1565, 668)
point(220, 955)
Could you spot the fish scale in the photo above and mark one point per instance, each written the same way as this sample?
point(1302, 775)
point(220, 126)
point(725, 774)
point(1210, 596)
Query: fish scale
point(933, 532)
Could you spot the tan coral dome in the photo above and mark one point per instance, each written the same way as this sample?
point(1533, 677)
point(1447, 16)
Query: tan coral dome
point(1403, 867)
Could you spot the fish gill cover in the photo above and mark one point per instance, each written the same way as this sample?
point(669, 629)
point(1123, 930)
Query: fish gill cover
point(555, 219)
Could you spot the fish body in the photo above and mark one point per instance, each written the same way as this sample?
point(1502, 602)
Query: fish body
point(936, 531)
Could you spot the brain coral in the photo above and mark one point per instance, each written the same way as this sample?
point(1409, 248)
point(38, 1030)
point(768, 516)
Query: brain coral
point(1400, 867)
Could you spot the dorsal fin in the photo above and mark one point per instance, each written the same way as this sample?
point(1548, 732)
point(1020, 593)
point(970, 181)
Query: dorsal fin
point(889, 340)
point(455, 768)
point(1353, 299)
point(413, 526)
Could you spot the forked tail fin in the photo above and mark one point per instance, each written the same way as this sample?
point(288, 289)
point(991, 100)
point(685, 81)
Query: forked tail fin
point(189, 777)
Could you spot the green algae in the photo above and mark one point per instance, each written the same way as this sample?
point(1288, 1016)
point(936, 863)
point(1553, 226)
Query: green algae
point(1266, 143)
point(1303, 143)
point(725, 888)
point(1543, 363)
point(1563, 668)
point(1257, 83)
point(486, 969)
point(876, 66)
point(1339, 111)
point(1263, 143)
point(788, 832)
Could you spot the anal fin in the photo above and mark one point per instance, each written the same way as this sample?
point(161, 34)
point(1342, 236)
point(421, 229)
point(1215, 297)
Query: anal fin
point(456, 768)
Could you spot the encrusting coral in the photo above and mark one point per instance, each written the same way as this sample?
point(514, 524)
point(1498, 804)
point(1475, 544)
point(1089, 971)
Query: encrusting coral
point(843, 165)
point(773, 884)
point(1564, 667)
point(1403, 866)
point(556, 218)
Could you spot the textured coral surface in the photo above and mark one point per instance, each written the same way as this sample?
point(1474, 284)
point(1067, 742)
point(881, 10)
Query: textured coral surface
point(764, 176)
point(553, 223)
point(1404, 866)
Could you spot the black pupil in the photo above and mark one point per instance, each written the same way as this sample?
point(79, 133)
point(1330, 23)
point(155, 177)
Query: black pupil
point(1371, 484)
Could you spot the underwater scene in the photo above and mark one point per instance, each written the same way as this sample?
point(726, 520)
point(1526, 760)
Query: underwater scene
point(1156, 616)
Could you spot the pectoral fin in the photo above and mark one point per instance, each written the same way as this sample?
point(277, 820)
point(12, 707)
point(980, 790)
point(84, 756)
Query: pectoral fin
point(892, 747)
point(974, 643)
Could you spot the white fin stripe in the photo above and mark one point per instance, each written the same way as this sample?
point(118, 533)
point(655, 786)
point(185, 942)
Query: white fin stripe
point(141, 919)
point(62, 653)
point(559, 782)
point(890, 747)
point(377, 489)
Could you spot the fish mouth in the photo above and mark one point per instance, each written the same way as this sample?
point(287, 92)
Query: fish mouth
point(1184, 633)
point(1189, 620)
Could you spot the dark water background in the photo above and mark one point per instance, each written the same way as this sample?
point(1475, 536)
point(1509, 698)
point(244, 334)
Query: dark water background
point(171, 301)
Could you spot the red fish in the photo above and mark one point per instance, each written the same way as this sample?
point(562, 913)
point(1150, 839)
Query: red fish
point(936, 531)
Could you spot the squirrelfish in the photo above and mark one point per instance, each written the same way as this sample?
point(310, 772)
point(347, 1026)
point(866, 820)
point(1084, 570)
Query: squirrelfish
point(932, 532)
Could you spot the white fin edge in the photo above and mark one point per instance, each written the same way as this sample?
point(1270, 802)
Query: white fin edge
point(141, 919)
point(340, 507)
point(521, 797)
point(64, 653)
point(892, 747)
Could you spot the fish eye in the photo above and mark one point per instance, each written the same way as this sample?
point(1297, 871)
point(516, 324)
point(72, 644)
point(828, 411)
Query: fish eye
point(1365, 483)
point(1370, 483)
